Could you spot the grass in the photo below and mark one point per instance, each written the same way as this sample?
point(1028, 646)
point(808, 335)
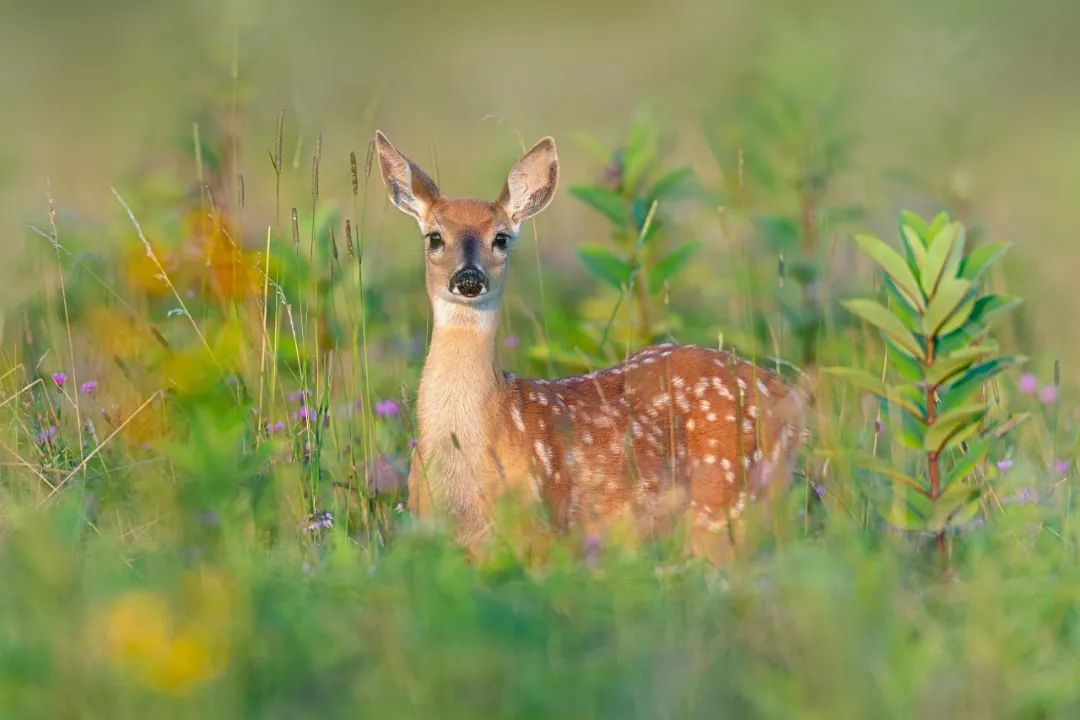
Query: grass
point(167, 553)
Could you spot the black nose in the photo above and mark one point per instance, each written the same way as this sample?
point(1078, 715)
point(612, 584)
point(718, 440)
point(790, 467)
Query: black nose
point(468, 281)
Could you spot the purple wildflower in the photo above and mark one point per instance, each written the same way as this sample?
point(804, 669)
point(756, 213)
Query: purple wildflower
point(298, 395)
point(1028, 384)
point(89, 387)
point(819, 490)
point(322, 520)
point(47, 435)
point(387, 408)
point(1061, 467)
point(1005, 464)
point(1023, 496)
point(510, 342)
point(59, 378)
point(412, 443)
point(1049, 394)
point(303, 413)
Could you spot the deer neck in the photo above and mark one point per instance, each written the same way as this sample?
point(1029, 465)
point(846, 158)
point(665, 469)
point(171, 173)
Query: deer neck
point(459, 382)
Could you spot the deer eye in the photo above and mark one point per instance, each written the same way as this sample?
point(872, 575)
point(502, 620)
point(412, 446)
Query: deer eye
point(501, 241)
point(435, 241)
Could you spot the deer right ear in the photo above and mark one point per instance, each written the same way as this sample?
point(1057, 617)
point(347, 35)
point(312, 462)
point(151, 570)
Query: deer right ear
point(410, 188)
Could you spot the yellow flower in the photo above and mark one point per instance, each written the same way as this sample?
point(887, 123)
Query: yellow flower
point(169, 653)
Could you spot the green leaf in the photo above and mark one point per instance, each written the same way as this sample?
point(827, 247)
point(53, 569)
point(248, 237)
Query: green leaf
point(988, 306)
point(676, 184)
point(877, 315)
point(976, 451)
point(955, 506)
point(911, 431)
point(865, 381)
point(985, 308)
point(944, 368)
point(916, 249)
point(956, 255)
point(936, 256)
point(917, 225)
point(897, 269)
point(899, 306)
point(959, 316)
point(908, 367)
point(640, 152)
point(950, 295)
point(940, 222)
point(981, 258)
point(911, 398)
point(604, 265)
point(911, 515)
point(960, 389)
point(874, 464)
point(1001, 429)
point(945, 429)
point(670, 265)
point(608, 202)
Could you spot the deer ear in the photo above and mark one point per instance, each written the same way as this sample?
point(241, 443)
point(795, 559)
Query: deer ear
point(410, 188)
point(530, 186)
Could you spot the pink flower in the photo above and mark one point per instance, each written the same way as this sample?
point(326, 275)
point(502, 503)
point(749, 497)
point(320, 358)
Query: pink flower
point(47, 435)
point(1028, 384)
point(1061, 467)
point(1005, 464)
point(304, 413)
point(386, 408)
point(88, 387)
point(1023, 496)
point(59, 378)
point(510, 342)
point(1049, 394)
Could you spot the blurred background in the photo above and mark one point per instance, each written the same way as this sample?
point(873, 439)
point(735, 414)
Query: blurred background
point(977, 98)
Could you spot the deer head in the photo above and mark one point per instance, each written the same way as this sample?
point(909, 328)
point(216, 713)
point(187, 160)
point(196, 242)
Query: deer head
point(467, 242)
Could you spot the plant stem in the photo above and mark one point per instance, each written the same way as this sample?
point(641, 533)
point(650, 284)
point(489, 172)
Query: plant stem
point(932, 458)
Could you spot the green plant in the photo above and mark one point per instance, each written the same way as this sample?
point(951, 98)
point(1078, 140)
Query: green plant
point(935, 326)
point(635, 181)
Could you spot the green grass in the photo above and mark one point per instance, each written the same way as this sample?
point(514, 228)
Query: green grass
point(154, 548)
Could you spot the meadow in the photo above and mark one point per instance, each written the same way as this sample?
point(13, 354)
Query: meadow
point(213, 324)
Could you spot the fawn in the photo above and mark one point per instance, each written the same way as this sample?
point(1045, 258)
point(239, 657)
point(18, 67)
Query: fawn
point(676, 432)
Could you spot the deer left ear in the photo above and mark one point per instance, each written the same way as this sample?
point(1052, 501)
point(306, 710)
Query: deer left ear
point(530, 186)
point(410, 188)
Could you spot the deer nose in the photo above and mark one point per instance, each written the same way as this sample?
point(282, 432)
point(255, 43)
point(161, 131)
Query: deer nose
point(469, 281)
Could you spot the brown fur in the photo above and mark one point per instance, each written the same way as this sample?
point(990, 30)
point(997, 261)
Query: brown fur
point(676, 433)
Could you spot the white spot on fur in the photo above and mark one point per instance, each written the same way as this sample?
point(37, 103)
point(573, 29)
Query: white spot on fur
point(543, 452)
